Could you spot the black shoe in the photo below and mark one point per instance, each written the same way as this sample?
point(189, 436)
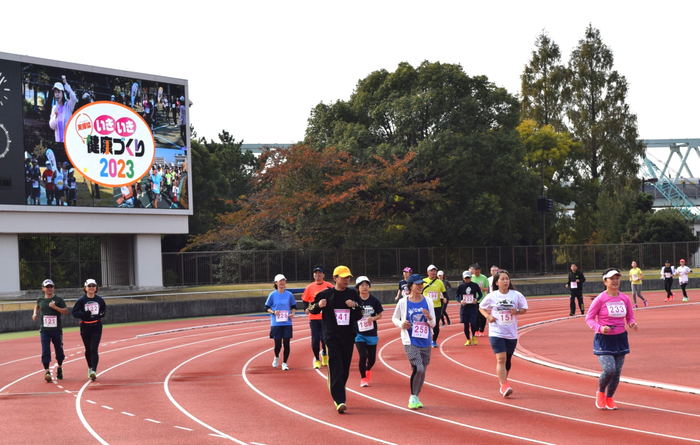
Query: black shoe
point(59, 373)
point(449, 322)
point(47, 376)
point(571, 315)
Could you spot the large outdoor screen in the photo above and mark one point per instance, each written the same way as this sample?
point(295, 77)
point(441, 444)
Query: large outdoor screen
point(80, 136)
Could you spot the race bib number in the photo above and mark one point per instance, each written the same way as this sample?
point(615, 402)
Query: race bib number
point(50, 321)
point(616, 309)
point(420, 329)
point(365, 324)
point(668, 275)
point(94, 308)
point(468, 298)
point(504, 317)
point(342, 317)
point(574, 285)
point(433, 296)
point(282, 316)
point(635, 277)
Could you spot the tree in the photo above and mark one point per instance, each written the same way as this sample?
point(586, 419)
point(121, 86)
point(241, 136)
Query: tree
point(665, 226)
point(325, 199)
point(542, 84)
point(600, 118)
point(463, 131)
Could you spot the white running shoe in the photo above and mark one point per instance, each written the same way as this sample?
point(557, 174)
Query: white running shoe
point(285, 367)
point(275, 362)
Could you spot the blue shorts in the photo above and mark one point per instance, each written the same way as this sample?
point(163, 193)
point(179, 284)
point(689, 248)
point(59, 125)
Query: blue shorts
point(280, 332)
point(370, 340)
point(506, 345)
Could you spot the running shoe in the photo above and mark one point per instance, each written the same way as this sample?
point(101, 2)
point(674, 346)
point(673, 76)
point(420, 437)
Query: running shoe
point(92, 375)
point(600, 400)
point(468, 343)
point(418, 402)
point(413, 402)
point(317, 364)
point(275, 362)
point(634, 307)
point(434, 345)
point(685, 298)
point(449, 322)
point(571, 315)
point(340, 407)
point(59, 373)
point(324, 360)
point(364, 382)
point(285, 367)
point(506, 390)
point(368, 374)
point(610, 403)
point(671, 296)
point(645, 303)
point(47, 376)
point(667, 299)
point(443, 324)
point(474, 342)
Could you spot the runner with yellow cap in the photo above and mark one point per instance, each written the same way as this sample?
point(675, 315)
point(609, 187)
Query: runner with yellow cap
point(341, 308)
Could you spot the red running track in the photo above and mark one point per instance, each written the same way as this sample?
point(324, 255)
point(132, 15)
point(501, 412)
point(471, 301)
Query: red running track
point(216, 385)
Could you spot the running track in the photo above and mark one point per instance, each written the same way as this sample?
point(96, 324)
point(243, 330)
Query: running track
point(215, 385)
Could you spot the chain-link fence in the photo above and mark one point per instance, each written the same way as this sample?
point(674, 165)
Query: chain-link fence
point(227, 267)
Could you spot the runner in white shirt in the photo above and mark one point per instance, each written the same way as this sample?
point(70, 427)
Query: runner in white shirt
point(682, 273)
point(501, 309)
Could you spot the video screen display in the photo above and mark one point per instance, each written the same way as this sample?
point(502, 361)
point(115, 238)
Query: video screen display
point(85, 138)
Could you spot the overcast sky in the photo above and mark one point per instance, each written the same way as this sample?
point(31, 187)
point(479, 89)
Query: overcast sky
point(256, 69)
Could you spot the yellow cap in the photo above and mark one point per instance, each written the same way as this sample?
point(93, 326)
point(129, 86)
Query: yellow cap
point(341, 271)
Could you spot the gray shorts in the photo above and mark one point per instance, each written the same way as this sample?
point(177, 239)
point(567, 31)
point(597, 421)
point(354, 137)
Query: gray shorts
point(418, 356)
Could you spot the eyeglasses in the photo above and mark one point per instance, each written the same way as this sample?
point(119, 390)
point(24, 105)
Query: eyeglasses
point(91, 285)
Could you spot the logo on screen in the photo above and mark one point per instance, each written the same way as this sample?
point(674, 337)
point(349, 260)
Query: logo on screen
point(110, 144)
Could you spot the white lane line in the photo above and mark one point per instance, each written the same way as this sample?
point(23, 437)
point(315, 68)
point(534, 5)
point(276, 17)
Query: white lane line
point(79, 410)
point(183, 428)
point(90, 401)
point(128, 414)
point(245, 377)
point(522, 408)
point(106, 407)
point(151, 420)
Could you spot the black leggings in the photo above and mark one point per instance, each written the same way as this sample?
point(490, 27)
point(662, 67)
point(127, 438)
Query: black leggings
point(91, 333)
point(278, 347)
point(668, 282)
point(444, 313)
point(368, 355)
point(436, 329)
point(685, 294)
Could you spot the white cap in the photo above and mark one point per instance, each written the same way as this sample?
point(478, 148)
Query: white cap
point(90, 281)
point(431, 267)
point(611, 273)
point(362, 279)
point(47, 281)
point(58, 86)
point(466, 274)
point(441, 273)
point(279, 276)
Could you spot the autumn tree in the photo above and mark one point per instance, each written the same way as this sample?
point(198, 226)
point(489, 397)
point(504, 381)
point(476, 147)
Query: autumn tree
point(463, 132)
point(303, 197)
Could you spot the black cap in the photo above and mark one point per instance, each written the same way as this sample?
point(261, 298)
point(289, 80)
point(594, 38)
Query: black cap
point(318, 268)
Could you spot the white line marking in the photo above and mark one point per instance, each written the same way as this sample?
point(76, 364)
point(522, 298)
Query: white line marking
point(183, 428)
point(128, 414)
point(151, 420)
point(90, 401)
point(106, 407)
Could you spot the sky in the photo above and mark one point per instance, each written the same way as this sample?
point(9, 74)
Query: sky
point(256, 69)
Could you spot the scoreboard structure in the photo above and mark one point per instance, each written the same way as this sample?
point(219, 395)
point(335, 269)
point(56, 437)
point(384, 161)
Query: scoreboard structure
point(92, 151)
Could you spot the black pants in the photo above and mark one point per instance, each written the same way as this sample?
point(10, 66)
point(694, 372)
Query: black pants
point(368, 355)
point(668, 282)
point(480, 322)
point(436, 329)
point(572, 303)
point(317, 337)
point(339, 357)
point(685, 294)
point(91, 333)
point(444, 313)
